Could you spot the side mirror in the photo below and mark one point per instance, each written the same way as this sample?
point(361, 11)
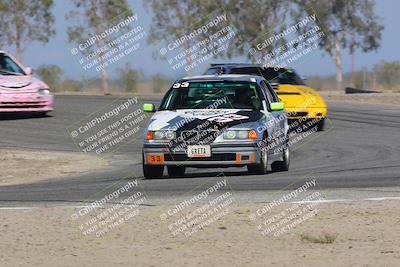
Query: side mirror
point(277, 106)
point(28, 71)
point(149, 108)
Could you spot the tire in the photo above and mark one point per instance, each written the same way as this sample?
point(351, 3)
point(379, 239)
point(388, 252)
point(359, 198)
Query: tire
point(262, 167)
point(176, 171)
point(280, 166)
point(152, 171)
point(41, 114)
point(320, 125)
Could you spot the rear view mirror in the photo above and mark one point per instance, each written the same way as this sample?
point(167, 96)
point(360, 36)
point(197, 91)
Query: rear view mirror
point(149, 108)
point(28, 71)
point(277, 106)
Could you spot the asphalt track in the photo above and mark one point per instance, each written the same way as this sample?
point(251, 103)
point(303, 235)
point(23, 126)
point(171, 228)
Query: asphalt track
point(358, 151)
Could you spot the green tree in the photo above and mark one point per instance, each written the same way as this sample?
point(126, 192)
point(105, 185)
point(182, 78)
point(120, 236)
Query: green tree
point(364, 35)
point(388, 73)
point(255, 21)
point(3, 39)
point(178, 19)
point(25, 21)
point(92, 18)
point(347, 24)
point(252, 20)
point(357, 79)
point(52, 75)
point(315, 82)
point(128, 77)
point(72, 85)
point(159, 83)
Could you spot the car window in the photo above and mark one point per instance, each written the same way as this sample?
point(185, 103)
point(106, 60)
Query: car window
point(8, 66)
point(268, 94)
point(265, 93)
point(272, 93)
point(215, 71)
point(217, 95)
point(246, 70)
point(282, 76)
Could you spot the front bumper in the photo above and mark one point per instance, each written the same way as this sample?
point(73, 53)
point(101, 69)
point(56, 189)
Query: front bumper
point(309, 113)
point(26, 103)
point(222, 155)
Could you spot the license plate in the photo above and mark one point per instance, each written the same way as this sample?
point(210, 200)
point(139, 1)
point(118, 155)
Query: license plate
point(198, 151)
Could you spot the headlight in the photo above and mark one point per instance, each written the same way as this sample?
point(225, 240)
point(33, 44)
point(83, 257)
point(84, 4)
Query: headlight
point(243, 134)
point(230, 134)
point(44, 92)
point(240, 134)
point(162, 135)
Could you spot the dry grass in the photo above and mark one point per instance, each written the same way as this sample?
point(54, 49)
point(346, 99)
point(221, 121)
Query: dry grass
point(324, 239)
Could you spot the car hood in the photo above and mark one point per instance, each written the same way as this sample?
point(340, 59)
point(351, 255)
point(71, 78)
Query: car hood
point(294, 96)
point(25, 83)
point(203, 119)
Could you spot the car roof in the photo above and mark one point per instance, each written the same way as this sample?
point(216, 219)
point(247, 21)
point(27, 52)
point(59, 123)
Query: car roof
point(223, 77)
point(243, 65)
point(236, 64)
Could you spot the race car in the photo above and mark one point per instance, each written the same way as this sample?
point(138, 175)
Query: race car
point(217, 121)
point(20, 91)
point(301, 101)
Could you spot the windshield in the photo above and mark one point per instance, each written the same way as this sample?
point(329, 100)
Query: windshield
point(281, 76)
point(8, 66)
point(212, 95)
point(215, 71)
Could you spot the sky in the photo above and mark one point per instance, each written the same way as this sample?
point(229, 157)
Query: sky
point(58, 50)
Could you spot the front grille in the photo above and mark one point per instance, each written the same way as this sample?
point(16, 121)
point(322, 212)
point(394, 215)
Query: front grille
point(36, 104)
point(298, 114)
point(204, 137)
point(214, 157)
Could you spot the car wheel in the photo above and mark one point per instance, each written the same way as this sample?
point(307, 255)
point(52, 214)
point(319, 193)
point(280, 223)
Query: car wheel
point(41, 114)
point(152, 171)
point(279, 166)
point(176, 171)
point(262, 167)
point(320, 125)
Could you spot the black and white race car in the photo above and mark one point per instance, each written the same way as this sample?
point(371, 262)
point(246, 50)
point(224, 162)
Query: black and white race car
point(217, 121)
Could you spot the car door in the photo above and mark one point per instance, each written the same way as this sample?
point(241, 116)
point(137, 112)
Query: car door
point(279, 131)
point(282, 113)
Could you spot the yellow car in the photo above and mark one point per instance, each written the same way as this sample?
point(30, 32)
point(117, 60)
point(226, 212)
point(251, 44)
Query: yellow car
point(302, 103)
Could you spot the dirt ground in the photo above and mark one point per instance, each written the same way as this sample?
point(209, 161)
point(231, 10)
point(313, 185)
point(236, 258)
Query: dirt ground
point(382, 98)
point(339, 234)
point(26, 166)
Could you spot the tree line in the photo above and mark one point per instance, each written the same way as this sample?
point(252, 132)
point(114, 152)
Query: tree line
point(350, 25)
point(383, 76)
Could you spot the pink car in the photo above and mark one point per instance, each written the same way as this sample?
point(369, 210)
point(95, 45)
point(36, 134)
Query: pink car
point(19, 90)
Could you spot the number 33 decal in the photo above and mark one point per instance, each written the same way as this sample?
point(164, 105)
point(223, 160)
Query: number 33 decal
point(179, 85)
